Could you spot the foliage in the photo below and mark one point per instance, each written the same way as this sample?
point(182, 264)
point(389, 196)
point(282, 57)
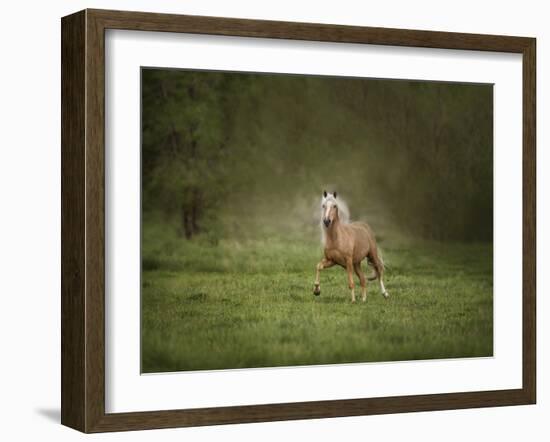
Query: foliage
point(186, 123)
point(220, 150)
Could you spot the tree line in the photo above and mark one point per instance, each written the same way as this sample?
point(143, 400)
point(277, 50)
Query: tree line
point(223, 150)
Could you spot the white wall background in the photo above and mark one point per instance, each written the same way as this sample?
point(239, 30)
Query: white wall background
point(30, 216)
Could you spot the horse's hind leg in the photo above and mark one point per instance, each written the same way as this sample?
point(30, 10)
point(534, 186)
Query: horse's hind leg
point(323, 264)
point(376, 262)
point(362, 280)
point(385, 293)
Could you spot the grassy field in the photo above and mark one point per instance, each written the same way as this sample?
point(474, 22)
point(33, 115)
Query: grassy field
point(250, 304)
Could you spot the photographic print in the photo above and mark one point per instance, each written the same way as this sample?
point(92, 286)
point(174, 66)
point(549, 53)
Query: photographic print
point(294, 220)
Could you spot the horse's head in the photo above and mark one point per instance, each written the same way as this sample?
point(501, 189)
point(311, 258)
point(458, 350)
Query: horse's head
point(329, 208)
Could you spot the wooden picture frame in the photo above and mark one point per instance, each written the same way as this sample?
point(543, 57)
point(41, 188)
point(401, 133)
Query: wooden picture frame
point(83, 220)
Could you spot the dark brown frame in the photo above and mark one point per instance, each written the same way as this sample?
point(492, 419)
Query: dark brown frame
point(83, 216)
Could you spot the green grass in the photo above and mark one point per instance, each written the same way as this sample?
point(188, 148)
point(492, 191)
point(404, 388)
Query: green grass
point(250, 304)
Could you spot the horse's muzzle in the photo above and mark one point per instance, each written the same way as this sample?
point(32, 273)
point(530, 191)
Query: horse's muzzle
point(326, 222)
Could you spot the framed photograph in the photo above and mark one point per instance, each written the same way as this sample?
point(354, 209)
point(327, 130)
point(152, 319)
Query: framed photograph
point(268, 220)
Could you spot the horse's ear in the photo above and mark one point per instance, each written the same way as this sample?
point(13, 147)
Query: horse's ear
point(334, 194)
point(325, 193)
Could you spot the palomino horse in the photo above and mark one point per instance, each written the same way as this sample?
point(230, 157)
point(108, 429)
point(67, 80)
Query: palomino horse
point(347, 244)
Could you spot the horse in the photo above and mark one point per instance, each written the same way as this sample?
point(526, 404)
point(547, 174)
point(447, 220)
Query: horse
point(347, 244)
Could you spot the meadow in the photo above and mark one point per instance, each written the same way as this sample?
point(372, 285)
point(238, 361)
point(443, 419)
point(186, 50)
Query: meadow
point(250, 304)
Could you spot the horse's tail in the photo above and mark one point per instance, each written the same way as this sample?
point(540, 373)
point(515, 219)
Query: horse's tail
point(378, 263)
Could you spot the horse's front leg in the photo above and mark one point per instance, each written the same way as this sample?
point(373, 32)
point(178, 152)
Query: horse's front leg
point(362, 280)
point(323, 264)
point(351, 283)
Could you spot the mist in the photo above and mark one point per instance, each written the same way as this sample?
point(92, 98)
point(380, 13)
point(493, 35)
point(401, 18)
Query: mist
point(238, 155)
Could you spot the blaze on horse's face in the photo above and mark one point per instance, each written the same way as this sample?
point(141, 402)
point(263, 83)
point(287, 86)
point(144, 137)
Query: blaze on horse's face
point(329, 208)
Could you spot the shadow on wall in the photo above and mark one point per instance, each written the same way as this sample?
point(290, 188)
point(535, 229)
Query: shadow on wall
point(51, 414)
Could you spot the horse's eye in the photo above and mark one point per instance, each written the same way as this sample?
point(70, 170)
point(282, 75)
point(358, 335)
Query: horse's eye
point(335, 206)
point(324, 206)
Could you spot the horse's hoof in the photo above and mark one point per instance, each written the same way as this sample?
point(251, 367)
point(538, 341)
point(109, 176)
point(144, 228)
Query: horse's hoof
point(353, 301)
point(316, 290)
point(386, 295)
